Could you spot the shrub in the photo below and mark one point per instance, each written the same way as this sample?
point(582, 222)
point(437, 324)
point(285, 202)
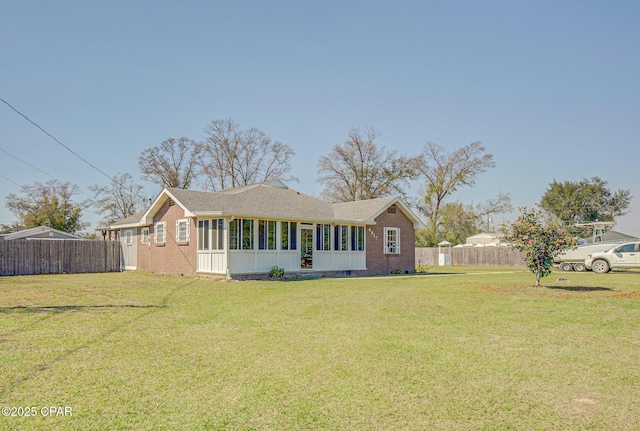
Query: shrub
point(276, 272)
point(423, 269)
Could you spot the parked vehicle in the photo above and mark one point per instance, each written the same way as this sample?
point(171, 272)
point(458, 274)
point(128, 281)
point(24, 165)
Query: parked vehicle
point(602, 239)
point(573, 260)
point(622, 256)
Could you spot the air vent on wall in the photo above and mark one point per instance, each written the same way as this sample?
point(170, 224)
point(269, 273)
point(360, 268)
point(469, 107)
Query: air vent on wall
point(391, 209)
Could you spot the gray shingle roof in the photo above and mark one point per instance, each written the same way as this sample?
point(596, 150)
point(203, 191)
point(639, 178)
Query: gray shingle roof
point(273, 200)
point(259, 200)
point(40, 232)
point(364, 211)
point(132, 219)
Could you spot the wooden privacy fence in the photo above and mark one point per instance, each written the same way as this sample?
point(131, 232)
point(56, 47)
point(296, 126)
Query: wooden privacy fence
point(58, 256)
point(481, 256)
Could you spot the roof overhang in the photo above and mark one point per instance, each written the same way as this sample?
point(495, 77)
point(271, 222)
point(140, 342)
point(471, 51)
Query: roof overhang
point(417, 223)
point(34, 232)
point(128, 225)
point(164, 196)
point(255, 215)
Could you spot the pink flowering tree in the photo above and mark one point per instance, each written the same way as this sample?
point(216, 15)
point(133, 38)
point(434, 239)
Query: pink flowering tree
point(539, 240)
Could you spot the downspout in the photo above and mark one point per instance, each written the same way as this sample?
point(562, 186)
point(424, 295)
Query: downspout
point(226, 247)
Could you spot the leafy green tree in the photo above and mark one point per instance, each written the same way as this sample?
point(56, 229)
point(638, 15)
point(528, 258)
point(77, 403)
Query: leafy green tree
point(49, 204)
point(539, 239)
point(6, 228)
point(588, 200)
point(426, 238)
point(458, 221)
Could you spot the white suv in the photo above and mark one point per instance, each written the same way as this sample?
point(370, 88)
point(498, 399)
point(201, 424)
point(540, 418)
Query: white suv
point(621, 256)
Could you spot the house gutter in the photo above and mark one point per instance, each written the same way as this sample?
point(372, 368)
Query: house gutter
point(283, 217)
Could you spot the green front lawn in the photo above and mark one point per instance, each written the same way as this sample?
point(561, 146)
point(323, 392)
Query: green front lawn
point(482, 350)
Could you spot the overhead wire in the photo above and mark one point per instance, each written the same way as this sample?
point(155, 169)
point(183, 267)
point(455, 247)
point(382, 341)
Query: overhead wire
point(10, 180)
point(28, 164)
point(115, 181)
point(55, 139)
point(39, 170)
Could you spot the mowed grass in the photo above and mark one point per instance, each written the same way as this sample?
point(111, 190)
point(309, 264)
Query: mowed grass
point(474, 351)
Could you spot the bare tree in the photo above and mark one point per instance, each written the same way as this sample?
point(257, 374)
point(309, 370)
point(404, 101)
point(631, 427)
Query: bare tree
point(174, 163)
point(48, 204)
point(444, 172)
point(499, 205)
point(121, 199)
point(359, 170)
point(235, 157)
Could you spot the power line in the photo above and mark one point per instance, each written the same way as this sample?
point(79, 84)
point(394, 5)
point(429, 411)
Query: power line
point(11, 181)
point(55, 139)
point(28, 164)
point(135, 192)
point(40, 170)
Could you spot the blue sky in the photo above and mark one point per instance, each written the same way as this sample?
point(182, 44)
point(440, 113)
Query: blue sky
point(550, 88)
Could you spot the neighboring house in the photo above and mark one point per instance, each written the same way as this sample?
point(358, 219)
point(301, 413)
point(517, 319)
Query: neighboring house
point(486, 238)
point(246, 231)
point(41, 232)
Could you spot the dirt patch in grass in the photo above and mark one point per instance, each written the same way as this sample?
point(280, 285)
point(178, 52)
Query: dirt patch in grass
point(627, 295)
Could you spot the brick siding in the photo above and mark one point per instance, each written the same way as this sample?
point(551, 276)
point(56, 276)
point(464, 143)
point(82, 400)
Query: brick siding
point(172, 258)
point(378, 262)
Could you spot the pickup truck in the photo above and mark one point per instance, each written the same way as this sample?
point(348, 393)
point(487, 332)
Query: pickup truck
point(625, 255)
point(573, 260)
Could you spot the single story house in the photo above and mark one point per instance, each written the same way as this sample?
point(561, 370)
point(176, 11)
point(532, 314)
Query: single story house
point(486, 238)
point(246, 231)
point(40, 232)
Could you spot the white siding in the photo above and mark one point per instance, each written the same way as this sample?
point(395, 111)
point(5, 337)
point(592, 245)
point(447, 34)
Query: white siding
point(339, 260)
point(214, 262)
point(246, 262)
point(261, 261)
point(322, 260)
point(266, 260)
point(358, 260)
point(242, 261)
point(290, 260)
